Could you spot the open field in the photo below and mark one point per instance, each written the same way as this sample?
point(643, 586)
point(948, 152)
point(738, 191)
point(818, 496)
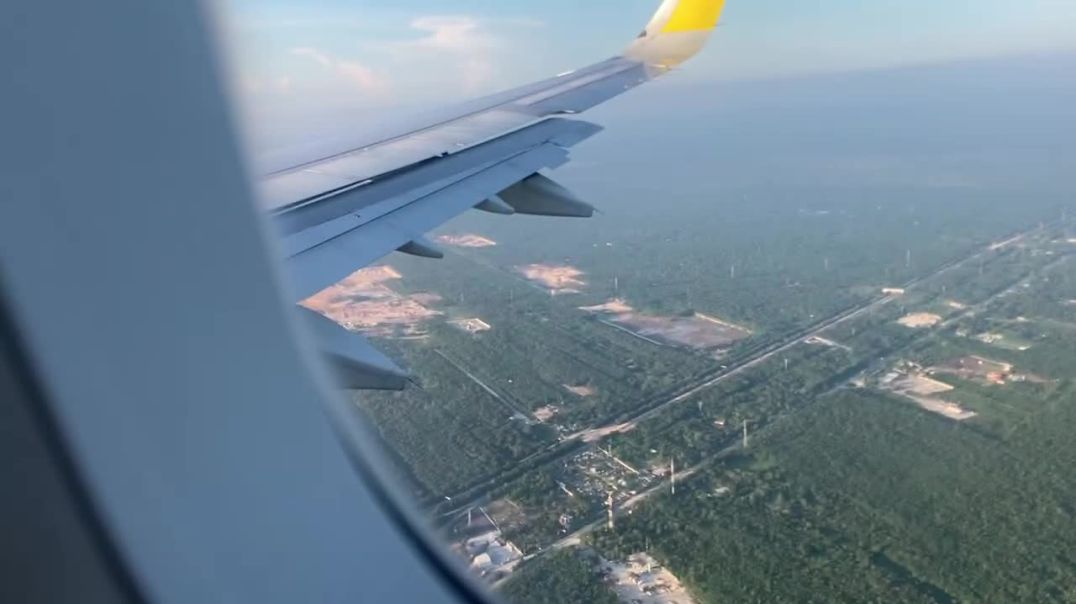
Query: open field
point(557, 279)
point(696, 331)
point(365, 302)
point(581, 390)
point(472, 325)
point(469, 240)
point(640, 579)
point(976, 368)
point(924, 391)
point(919, 320)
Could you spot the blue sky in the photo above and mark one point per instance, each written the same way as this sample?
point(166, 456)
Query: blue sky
point(293, 58)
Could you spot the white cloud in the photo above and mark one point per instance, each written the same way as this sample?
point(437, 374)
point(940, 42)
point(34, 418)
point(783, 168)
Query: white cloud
point(465, 47)
point(459, 34)
point(360, 74)
point(346, 70)
point(313, 53)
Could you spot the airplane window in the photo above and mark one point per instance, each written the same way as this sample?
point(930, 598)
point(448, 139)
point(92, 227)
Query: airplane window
point(799, 325)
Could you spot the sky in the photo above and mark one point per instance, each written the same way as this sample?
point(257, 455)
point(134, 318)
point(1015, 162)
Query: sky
point(358, 60)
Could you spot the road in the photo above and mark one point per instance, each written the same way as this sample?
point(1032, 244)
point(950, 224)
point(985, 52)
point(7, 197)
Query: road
point(577, 536)
point(478, 494)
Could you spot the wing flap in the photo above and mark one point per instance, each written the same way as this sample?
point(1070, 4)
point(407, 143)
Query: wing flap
point(356, 364)
point(341, 212)
point(327, 251)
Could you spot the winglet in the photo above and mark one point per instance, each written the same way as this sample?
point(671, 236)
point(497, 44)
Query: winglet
point(677, 32)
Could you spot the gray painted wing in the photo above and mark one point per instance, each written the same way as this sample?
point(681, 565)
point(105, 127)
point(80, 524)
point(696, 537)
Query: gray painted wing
point(466, 126)
point(327, 240)
point(341, 212)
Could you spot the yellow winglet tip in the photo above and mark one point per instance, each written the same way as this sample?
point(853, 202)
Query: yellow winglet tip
point(694, 15)
point(676, 32)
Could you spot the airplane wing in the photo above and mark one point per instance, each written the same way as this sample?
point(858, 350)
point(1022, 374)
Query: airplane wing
point(339, 213)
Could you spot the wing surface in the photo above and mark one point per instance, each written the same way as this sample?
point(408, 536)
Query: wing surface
point(339, 213)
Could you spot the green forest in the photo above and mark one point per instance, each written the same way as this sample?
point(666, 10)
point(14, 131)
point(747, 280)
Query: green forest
point(862, 498)
point(843, 494)
point(561, 578)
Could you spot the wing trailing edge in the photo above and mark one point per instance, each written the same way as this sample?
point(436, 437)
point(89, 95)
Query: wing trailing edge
point(339, 213)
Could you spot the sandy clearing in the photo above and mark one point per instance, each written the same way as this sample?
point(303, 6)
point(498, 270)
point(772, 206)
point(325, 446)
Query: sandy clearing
point(581, 391)
point(698, 331)
point(544, 414)
point(946, 408)
point(919, 320)
point(474, 325)
point(642, 580)
point(559, 279)
point(594, 435)
point(614, 306)
point(469, 240)
point(363, 302)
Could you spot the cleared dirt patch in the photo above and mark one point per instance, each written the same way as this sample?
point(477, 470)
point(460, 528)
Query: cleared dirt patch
point(596, 434)
point(558, 279)
point(581, 391)
point(820, 341)
point(976, 368)
point(642, 580)
point(697, 331)
point(471, 325)
point(919, 385)
point(1003, 341)
point(363, 302)
point(468, 240)
point(544, 414)
point(946, 408)
point(919, 320)
point(614, 306)
point(922, 390)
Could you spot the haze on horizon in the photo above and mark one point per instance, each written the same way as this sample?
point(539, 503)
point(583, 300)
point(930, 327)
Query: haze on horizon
point(330, 68)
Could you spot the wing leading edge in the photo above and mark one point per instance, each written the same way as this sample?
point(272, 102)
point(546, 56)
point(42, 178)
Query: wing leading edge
point(339, 213)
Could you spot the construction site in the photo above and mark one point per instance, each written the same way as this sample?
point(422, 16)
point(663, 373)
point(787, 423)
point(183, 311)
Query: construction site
point(582, 390)
point(920, 320)
point(914, 383)
point(598, 476)
point(977, 369)
point(642, 580)
point(697, 331)
point(364, 302)
point(468, 240)
point(472, 325)
point(479, 539)
point(1003, 341)
point(557, 279)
